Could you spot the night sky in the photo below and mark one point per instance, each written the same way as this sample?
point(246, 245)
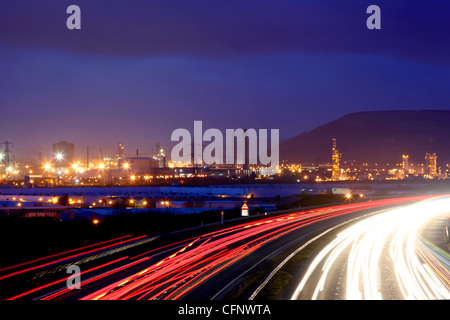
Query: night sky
point(137, 70)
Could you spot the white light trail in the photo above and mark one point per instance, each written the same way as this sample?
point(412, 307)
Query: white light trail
point(364, 244)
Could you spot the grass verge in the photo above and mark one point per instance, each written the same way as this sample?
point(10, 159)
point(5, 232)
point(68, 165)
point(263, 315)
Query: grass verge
point(280, 281)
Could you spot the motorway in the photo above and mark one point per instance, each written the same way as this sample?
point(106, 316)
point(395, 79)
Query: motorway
point(202, 266)
point(397, 254)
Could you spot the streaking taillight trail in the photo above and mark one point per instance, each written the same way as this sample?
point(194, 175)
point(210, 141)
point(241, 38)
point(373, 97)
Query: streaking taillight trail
point(170, 271)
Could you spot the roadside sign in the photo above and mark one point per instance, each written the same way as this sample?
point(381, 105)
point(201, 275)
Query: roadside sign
point(244, 210)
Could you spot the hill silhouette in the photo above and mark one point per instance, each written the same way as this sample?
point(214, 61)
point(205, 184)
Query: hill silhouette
point(375, 136)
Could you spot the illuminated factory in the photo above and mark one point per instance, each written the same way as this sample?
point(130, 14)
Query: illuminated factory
point(121, 170)
point(405, 165)
point(335, 173)
point(431, 165)
point(63, 152)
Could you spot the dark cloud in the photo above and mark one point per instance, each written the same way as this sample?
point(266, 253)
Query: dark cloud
point(411, 29)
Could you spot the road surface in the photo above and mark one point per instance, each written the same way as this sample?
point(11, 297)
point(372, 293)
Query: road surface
point(144, 268)
point(387, 256)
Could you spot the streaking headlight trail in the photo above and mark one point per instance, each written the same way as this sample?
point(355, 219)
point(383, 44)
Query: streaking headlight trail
point(420, 271)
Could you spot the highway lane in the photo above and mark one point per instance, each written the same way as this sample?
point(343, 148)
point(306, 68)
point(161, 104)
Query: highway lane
point(221, 284)
point(382, 257)
point(173, 270)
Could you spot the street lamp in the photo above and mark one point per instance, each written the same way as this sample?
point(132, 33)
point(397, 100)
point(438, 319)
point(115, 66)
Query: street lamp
point(348, 196)
point(133, 178)
point(59, 157)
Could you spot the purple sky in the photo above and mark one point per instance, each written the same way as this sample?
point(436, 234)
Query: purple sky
point(137, 70)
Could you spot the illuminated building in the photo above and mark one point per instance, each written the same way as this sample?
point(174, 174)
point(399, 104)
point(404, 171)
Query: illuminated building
point(120, 152)
point(64, 152)
point(160, 156)
point(335, 172)
point(405, 165)
point(138, 165)
point(431, 165)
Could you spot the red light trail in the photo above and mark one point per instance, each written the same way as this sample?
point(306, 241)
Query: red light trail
point(172, 270)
